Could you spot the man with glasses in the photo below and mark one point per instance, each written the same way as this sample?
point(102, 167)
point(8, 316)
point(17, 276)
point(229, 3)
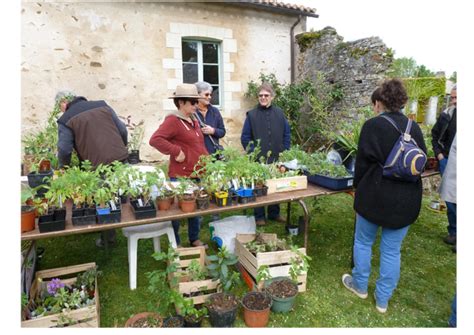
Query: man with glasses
point(267, 125)
point(442, 134)
point(180, 136)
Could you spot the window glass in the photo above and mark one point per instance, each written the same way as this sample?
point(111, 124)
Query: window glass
point(209, 53)
point(190, 73)
point(201, 63)
point(190, 51)
point(211, 74)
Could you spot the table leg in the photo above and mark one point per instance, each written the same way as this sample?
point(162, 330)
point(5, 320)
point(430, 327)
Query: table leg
point(288, 216)
point(306, 222)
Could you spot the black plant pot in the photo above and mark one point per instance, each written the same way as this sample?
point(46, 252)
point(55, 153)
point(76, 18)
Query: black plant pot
point(222, 318)
point(83, 216)
point(46, 224)
point(260, 191)
point(145, 212)
point(192, 324)
point(59, 214)
point(173, 322)
point(202, 203)
point(134, 157)
point(36, 179)
point(113, 217)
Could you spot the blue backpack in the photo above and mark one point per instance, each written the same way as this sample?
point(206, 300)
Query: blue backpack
point(406, 160)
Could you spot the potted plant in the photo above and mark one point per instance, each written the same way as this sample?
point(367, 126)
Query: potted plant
point(223, 306)
point(28, 214)
point(325, 173)
point(202, 199)
point(165, 197)
point(256, 308)
point(137, 131)
point(140, 191)
point(283, 290)
point(144, 320)
point(185, 193)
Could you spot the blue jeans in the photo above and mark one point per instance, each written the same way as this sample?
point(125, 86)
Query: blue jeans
point(451, 212)
point(442, 166)
point(273, 212)
point(194, 225)
point(452, 317)
point(390, 244)
point(193, 229)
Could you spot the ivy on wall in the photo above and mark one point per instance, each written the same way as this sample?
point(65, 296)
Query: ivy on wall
point(422, 89)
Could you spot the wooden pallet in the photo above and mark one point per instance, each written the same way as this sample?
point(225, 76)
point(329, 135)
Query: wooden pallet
point(85, 317)
point(198, 291)
point(287, 184)
point(278, 261)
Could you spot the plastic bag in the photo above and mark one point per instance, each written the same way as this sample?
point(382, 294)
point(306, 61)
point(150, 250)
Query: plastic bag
point(223, 231)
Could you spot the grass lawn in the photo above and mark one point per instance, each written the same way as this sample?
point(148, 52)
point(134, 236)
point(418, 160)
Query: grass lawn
point(422, 299)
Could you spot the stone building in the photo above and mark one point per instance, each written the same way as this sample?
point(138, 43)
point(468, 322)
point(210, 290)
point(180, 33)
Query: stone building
point(133, 54)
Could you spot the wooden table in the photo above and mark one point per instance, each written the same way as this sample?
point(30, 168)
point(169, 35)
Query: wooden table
point(176, 214)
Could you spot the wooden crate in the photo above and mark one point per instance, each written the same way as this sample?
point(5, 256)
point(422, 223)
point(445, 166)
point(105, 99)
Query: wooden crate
point(278, 261)
point(199, 290)
point(85, 317)
point(287, 184)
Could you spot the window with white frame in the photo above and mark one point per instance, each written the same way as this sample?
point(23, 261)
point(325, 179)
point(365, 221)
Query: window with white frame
point(201, 62)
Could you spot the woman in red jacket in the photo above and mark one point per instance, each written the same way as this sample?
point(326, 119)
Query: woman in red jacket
point(181, 137)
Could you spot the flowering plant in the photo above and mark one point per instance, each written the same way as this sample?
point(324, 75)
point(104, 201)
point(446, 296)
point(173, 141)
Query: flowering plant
point(54, 285)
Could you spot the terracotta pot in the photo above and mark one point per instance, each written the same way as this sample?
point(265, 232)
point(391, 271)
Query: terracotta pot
point(253, 317)
point(164, 204)
point(44, 165)
point(27, 218)
point(187, 206)
point(131, 321)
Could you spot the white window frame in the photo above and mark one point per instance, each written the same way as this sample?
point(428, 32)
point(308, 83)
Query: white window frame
point(201, 64)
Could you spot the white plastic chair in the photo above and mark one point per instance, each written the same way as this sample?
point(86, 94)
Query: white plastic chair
point(134, 233)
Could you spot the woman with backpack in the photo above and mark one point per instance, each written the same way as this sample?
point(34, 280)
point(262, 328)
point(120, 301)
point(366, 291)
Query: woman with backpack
point(384, 200)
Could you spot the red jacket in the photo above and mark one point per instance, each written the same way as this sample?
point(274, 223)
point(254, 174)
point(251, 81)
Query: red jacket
point(176, 134)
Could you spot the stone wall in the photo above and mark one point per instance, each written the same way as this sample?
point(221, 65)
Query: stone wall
point(355, 67)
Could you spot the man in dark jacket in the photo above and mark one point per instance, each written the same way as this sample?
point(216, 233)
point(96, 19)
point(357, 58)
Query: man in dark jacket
point(266, 123)
point(92, 129)
point(442, 134)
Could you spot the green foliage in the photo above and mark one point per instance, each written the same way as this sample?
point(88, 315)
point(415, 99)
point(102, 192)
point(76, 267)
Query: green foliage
point(298, 264)
point(408, 68)
point(195, 271)
point(88, 278)
point(137, 130)
point(263, 273)
point(347, 137)
point(306, 105)
point(306, 40)
point(219, 268)
point(454, 77)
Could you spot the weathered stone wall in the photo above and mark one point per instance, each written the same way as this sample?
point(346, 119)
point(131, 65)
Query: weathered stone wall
point(356, 67)
point(128, 53)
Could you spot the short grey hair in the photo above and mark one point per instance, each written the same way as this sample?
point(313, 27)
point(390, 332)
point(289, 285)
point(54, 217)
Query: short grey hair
point(203, 86)
point(454, 88)
point(64, 95)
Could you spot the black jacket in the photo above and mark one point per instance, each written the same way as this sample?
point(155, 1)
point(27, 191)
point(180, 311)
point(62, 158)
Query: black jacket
point(443, 132)
point(93, 129)
point(385, 202)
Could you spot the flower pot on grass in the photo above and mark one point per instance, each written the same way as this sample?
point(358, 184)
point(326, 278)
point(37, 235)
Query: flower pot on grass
point(256, 308)
point(176, 321)
point(144, 320)
point(222, 309)
point(192, 322)
point(283, 292)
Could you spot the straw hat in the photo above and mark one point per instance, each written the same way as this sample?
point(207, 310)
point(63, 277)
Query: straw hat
point(186, 91)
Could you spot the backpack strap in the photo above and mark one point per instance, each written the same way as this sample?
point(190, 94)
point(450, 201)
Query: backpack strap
point(389, 119)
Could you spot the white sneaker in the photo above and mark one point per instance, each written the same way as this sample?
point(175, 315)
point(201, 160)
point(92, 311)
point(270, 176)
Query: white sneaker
point(379, 309)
